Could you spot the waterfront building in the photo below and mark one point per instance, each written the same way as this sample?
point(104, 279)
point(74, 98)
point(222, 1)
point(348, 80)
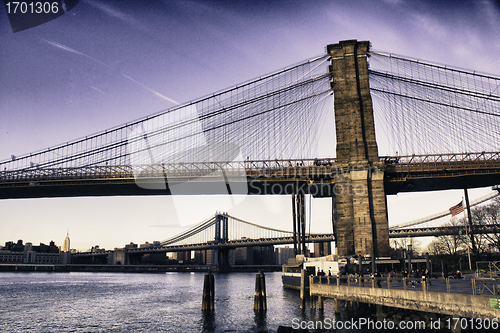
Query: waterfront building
point(29, 254)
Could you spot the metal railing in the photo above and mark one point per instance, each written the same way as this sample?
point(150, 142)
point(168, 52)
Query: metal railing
point(282, 169)
point(472, 286)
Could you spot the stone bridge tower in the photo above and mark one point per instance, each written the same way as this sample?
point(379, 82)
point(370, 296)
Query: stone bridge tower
point(361, 221)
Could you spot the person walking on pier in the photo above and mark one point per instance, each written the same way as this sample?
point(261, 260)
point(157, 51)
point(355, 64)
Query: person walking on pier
point(377, 277)
point(427, 276)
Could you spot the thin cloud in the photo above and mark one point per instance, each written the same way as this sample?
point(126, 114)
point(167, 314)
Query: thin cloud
point(97, 89)
point(69, 49)
point(151, 90)
point(115, 13)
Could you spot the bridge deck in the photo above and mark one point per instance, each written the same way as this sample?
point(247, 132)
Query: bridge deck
point(275, 177)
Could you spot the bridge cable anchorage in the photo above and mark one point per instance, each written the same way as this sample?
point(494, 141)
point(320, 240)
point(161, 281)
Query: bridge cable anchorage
point(425, 108)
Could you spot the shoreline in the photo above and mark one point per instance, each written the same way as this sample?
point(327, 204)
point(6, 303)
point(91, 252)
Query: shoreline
point(131, 268)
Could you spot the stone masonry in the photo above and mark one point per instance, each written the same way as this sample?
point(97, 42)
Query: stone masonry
point(362, 226)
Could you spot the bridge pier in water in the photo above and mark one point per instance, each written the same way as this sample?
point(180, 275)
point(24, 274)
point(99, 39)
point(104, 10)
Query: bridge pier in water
point(360, 203)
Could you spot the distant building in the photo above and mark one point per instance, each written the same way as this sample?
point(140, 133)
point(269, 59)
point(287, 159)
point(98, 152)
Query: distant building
point(241, 256)
point(131, 246)
point(252, 255)
point(200, 257)
point(211, 257)
point(263, 255)
point(182, 256)
point(43, 248)
point(148, 244)
point(15, 247)
point(97, 249)
point(29, 254)
point(66, 247)
point(322, 249)
point(282, 254)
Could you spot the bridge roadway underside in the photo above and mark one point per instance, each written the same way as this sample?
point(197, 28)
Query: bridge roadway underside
point(394, 182)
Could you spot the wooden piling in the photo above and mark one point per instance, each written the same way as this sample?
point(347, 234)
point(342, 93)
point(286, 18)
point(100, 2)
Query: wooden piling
point(303, 289)
point(311, 296)
point(260, 302)
point(379, 310)
point(263, 290)
point(208, 299)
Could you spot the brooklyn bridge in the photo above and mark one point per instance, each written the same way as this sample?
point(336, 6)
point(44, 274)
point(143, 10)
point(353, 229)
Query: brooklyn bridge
point(260, 138)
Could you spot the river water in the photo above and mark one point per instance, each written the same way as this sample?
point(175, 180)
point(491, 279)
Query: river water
point(168, 302)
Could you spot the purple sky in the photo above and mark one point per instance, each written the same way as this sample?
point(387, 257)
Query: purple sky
point(106, 63)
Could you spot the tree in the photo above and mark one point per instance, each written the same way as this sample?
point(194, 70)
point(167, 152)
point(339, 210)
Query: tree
point(449, 244)
point(486, 216)
point(402, 244)
point(483, 216)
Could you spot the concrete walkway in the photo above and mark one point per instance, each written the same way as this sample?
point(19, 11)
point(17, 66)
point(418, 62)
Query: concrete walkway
point(469, 298)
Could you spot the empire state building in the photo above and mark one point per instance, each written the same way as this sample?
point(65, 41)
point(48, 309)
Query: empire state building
point(66, 243)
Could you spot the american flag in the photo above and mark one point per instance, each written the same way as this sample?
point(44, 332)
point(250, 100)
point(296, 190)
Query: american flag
point(457, 209)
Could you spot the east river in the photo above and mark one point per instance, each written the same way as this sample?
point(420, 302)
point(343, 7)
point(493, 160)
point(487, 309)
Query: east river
point(168, 302)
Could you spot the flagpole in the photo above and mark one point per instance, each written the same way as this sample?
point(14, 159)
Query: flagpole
point(467, 235)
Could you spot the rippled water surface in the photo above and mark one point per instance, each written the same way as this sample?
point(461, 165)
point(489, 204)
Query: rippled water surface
point(167, 302)
point(121, 302)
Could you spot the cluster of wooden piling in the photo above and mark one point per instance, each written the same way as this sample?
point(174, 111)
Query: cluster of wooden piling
point(208, 300)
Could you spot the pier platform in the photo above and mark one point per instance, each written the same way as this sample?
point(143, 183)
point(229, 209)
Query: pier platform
point(468, 298)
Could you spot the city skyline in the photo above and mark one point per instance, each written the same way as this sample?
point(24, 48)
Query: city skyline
point(101, 65)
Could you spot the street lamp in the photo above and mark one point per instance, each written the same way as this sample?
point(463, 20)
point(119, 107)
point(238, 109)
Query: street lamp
point(409, 250)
